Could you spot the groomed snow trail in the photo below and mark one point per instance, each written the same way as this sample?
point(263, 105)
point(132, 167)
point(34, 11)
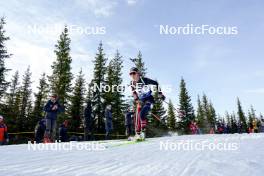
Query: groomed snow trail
point(144, 158)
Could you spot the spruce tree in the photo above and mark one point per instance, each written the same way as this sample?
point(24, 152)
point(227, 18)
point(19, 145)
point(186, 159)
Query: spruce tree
point(253, 112)
point(228, 119)
point(60, 80)
point(209, 114)
point(250, 119)
point(30, 119)
point(139, 64)
point(234, 127)
point(171, 116)
point(186, 109)
point(3, 55)
point(40, 98)
point(98, 96)
point(212, 115)
point(201, 121)
point(251, 115)
point(241, 116)
point(77, 102)
point(14, 86)
point(11, 110)
point(25, 103)
point(89, 92)
point(158, 110)
point(16, 109)
point(115, 96)
point(109, 82)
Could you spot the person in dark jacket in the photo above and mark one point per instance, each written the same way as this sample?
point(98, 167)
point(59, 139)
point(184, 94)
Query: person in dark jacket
point(129, 122)
point(52, 108)
point(63, 131)
point(40, 130)
point(88, 122)
point(108, 121)
point(4, 139)
point(262, 125)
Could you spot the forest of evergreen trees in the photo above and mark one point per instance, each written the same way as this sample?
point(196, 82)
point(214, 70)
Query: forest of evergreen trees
point(22, 108)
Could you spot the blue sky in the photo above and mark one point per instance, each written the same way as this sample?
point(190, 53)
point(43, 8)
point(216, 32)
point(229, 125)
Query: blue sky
point(222, 66)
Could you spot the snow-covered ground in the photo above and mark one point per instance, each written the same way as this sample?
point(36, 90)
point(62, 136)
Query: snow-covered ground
point(222, 155)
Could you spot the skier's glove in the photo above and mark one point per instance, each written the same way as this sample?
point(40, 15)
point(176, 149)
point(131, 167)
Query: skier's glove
point(161, 96)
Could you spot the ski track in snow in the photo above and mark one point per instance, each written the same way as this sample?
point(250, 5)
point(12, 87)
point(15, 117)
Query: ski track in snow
point(140, 159)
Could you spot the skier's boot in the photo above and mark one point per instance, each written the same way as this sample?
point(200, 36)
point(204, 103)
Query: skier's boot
point(130, 138)
point(137, 137)
point(143, 134)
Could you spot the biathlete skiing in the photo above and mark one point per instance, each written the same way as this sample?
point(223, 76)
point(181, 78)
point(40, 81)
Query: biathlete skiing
point(142, 93)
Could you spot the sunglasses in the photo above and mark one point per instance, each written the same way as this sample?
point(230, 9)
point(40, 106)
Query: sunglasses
point(132, 73)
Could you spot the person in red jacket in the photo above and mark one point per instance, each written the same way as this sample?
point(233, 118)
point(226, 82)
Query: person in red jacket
point(3, 132)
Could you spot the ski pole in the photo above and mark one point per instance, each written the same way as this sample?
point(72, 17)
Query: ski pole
point(158, 118)
point(172, 106)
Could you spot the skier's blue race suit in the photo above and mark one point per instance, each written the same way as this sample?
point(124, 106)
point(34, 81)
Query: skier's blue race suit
point(142, 92)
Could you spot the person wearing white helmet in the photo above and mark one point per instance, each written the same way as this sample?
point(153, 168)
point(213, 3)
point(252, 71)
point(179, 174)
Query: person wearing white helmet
point(3, 132)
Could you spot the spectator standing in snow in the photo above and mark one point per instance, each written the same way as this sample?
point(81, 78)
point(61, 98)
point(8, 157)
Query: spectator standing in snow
point(3, 132)
point(262, 125)
point(88, 122)
point(227, 129)
point(108, 121)
point(193, 127)
point(250, 128)
point(52, 108)
point(40, 130)
point(212, 130)
point(129, 122)
point(63, 131)
point(220, 128)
